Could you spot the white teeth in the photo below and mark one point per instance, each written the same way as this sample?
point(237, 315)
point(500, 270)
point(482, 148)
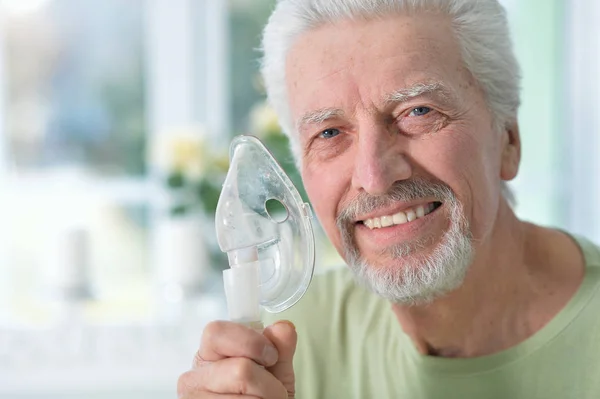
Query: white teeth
point(400, 217)
point(386, 221)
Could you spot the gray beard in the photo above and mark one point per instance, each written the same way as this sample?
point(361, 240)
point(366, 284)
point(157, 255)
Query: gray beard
point(414, 278)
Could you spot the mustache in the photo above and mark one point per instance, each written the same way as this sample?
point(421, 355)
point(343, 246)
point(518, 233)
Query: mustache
point(401, 191)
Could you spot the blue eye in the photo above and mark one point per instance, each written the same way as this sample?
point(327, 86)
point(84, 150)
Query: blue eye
point(330, 133)
point(420, 111)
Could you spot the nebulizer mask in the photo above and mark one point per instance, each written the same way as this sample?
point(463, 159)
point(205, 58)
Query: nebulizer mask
point(271, 256)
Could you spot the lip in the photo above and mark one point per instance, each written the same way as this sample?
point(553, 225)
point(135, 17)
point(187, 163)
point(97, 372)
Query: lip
point(379, 238)
point(397, 207)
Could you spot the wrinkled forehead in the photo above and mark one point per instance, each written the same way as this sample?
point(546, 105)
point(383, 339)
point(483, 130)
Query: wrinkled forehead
point(372, 59)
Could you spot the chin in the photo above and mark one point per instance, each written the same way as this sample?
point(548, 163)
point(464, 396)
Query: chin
point(415, 273)
point(410, 263)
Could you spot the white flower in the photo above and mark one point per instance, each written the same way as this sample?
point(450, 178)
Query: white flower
point(180, 150)
point(194, 170)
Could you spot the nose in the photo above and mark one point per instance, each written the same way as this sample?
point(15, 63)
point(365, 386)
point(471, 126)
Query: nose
point(379, 161)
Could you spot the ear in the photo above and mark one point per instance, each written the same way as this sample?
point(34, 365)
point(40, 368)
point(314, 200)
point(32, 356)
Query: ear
point(511, 151)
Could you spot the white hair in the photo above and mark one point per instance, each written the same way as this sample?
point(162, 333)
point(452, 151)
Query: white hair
point(480, 26)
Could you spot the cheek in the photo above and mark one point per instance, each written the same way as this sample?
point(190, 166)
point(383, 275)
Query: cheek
point(468, 167)
point(452, 158)
point(461, 161)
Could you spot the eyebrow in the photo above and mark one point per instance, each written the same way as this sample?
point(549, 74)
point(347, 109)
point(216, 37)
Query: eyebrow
point(318, 116)
point(437, 89)
point(399, 96)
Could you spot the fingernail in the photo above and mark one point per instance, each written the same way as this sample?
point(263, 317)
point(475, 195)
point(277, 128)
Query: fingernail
point(289, 323)
point(270, 354)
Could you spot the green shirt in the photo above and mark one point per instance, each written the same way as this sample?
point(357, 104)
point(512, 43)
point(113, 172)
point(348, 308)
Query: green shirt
point(350, 345)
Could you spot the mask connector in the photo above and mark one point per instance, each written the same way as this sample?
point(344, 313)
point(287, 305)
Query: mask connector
point(242, 283)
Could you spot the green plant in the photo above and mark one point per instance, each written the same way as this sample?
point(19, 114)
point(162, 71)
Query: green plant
point(191, 169)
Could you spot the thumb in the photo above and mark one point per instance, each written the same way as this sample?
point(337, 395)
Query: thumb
point(284, 337)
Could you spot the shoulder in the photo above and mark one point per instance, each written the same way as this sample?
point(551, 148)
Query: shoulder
point(591, 252)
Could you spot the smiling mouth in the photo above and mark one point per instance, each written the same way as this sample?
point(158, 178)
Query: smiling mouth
point(406, 216)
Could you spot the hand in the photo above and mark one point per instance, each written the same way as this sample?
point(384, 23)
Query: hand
point(235, 361)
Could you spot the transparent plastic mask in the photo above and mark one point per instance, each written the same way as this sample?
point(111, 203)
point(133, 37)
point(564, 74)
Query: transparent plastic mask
point(282, 244)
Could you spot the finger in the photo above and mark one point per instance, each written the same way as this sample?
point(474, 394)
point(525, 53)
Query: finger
point(245, 377)
point(283, 335)
point(223, 339)
point(240, 376)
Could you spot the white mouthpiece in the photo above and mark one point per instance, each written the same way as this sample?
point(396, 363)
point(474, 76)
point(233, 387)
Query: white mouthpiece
point(242, 286)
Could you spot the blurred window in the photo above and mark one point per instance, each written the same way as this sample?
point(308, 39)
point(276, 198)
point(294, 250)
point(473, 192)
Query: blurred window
point(84, 87)
point(75, 93)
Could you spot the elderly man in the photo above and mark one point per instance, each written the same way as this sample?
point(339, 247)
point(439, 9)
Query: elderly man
point(403, 115)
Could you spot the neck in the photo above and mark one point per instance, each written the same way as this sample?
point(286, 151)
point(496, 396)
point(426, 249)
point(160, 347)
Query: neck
point(521, 276)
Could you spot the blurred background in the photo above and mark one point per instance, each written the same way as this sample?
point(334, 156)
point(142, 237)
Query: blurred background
point(115, 117)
